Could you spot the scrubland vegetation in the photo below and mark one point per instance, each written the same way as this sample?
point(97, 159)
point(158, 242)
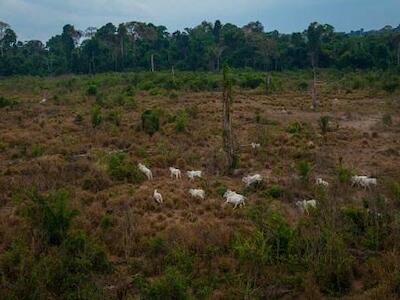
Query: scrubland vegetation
point(77, 216)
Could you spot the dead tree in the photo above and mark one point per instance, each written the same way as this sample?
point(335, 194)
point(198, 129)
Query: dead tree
point(228, 143)
point(152, 62)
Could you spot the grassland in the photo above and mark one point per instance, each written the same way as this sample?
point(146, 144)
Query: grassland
point(78, 151)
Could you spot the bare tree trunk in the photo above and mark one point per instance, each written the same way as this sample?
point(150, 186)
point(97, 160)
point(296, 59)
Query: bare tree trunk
point(314, 90)
point(122, 52)
point(152, 63)
point(228, 143)
point(173, 74)
point(267, 84)
point(398, 54)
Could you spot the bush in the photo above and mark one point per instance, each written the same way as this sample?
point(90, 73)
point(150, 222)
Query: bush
point(91, 90)
point(37, 150)
point(390, 85)
point(172, 286)
point(49, 214)
point(150, 122)
point(344, 175)
point(324, 124)
point(114, 117)
point(302, 86)
point(4, 102)
point(181, 121)
point(119, 169)
point(96, 117)
point(276, 191)
point(303, 170)
point(334, 270)
point(295, 128)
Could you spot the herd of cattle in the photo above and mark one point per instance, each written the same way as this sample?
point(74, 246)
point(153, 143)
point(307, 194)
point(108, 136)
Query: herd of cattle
point(239, 200)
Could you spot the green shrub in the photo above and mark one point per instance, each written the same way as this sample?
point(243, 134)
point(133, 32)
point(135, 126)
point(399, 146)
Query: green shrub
point(180, 258)
point(96, 117)
point(91, 90)
point(172, 286)
point(303, 170)
point(119, 169)
point(37, 150)
point(150, 122)
point(114, 117)
point(4, 102)
point(295, 128)
point(106, 222)
point(334, 270)
point(324, 124)
point(50, 214)
point(276, 191)
point(302, 86)
point(344, 175)
point(181, 121)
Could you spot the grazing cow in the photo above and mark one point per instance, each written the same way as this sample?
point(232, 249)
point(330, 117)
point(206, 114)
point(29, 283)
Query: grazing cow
point(146, 171)
point(306, 204)
point(158, 197)
point(234, 198)
point(175, 173)
point(249, 180)
point(193, 174)
point(363, 181)
point(197, 193)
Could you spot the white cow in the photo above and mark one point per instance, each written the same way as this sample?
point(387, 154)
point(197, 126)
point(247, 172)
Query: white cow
point(320, 181)
point(363, 181)
point(249, 180)
point(146, 171)
point(175, 173)
point(193, 174)
point(306, 204)
point(255, 145)
point(197, 193)
point(234, 198)
point(158, 197)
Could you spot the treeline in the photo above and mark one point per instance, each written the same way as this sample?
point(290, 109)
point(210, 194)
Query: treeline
point(140, 46)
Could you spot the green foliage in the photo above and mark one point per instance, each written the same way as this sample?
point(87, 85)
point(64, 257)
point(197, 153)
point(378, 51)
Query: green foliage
point(276, 191)
point(91, 90)
point(114, 117)
point(324, 124)
point(50, 214)
point(334, 269)
point(295, 128)
point(181, 121)
point(390, 85)
point(172, 286)
point(37, 150)
point(118, 168)
point(344, 174)
point(96, 117)
point(303, 170)
point(180, 258)
point(4, 102)
point(106, 222)
point(150, 122)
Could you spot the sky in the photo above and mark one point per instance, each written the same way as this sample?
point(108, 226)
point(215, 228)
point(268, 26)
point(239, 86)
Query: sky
point(41, 19)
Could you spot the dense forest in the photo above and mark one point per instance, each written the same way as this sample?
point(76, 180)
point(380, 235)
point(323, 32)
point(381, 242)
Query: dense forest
point(135, 46)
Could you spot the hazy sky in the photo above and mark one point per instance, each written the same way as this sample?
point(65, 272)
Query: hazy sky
point(40, 19)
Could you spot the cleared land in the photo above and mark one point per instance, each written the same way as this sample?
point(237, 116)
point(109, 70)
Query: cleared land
point(53, 145)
